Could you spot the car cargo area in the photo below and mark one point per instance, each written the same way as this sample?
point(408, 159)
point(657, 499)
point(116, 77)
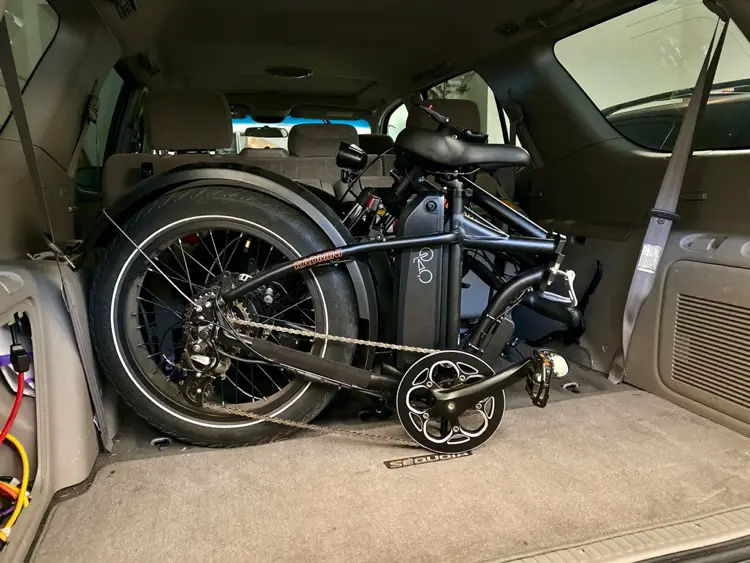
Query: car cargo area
point(288, 281)
point(604, 473)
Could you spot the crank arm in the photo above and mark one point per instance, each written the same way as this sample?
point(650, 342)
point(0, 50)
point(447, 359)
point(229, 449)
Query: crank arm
point(449, 404)
point(537, 370)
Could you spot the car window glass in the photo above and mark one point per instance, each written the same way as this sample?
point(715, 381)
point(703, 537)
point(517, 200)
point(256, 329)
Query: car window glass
point(249, 133)
point(95, 138)
point(31, 26)
point(468, 86)
point(471, 86)
point(396, 121)
point(639, 69)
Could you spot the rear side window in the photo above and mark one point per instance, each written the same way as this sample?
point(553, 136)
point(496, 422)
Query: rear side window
point(471, 86)
point(249, 133)
point(32, 25)
point(639, 69)
point(467, 86)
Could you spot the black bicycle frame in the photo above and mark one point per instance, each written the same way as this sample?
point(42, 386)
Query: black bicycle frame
point(460, 234)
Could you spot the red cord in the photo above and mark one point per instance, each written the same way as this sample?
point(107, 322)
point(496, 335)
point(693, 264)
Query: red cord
point(14, 410)
point(5, 491)
point(10, 493)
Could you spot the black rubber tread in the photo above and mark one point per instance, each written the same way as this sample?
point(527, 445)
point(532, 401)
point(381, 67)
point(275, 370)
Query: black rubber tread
point(292, 225)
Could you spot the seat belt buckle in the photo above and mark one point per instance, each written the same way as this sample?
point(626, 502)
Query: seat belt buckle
point(59, 254)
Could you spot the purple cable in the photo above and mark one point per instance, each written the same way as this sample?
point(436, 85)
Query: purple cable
point(7, 511)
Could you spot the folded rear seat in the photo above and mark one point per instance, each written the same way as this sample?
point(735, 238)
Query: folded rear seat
point(188, 122)
point(266, 152)
point(312, 160)
point(191, 123)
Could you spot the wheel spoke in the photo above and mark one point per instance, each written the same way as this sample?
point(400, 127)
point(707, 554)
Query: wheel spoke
point(236, 246)
point(237, 389)
point(175, 275)
point(291, 306)
point(270, 251)
point(269, 377)
point(218, 256)
point(208, 251)
point(144, 300)
point(246, 378)
point(187, 271)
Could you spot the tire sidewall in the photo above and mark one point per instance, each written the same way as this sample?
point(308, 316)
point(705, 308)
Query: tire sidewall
point(284, 223)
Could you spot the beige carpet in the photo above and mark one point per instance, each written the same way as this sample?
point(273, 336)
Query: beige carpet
point(576, 471)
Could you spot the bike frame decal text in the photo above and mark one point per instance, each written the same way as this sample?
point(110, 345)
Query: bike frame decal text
point(321, 258)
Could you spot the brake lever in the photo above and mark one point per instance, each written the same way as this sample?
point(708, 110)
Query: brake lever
point(441, 119)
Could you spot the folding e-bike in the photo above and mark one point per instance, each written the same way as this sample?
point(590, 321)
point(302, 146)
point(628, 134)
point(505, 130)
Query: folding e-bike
point(245, 314)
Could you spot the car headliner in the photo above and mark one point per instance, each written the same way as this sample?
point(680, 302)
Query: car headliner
point(363, 54)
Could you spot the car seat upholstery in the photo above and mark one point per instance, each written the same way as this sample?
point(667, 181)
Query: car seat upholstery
point(266, 152)
point(375, 143)
point(320, 139)
point(192, 123)
point(189, 122)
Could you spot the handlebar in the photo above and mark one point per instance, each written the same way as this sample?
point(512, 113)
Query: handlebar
point(460, 133)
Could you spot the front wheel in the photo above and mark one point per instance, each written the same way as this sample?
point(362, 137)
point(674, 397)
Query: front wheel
point(196, 238)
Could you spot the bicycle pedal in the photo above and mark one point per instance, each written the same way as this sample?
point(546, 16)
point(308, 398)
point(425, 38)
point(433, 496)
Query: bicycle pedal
point(547, 364)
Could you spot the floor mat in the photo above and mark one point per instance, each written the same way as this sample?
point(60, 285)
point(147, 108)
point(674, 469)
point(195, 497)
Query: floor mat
point(574, 471)
point(134, 440)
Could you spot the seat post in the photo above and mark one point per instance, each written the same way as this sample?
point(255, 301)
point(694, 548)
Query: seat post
point(455, 267)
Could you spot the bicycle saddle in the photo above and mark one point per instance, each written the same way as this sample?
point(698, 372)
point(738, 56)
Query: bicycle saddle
point(445, 151)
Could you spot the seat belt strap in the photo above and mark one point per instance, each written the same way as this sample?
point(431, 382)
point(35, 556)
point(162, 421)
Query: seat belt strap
point(90, 115)
point(13, 88)
point(519, 129)
point(663, 214)
point(74, 302)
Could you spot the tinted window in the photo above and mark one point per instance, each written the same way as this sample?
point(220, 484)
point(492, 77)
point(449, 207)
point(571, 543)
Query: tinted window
point(468, 86)
point(252, 134)
point(471, 86)
point(31, 26)
point(396, 121)
point(95, 139)
point(639, 69)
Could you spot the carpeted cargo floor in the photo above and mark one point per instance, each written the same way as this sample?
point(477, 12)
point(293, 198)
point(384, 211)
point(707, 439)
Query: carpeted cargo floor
point(575, 471)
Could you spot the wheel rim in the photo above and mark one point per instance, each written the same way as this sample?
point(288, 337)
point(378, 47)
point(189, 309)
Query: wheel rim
point(145, 306)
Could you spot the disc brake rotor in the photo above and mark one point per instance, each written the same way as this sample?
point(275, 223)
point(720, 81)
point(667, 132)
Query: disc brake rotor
point(448, 370)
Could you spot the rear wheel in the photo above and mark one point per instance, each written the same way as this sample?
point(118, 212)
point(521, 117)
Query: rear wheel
point(195, 237)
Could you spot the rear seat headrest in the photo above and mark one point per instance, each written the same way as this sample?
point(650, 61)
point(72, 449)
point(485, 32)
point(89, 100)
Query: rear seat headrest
point(462, 113)
point(320, 139)
point(375, 143)
point(187, 120)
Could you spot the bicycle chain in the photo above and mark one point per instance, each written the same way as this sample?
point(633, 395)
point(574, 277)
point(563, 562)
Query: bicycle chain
point(321, 336)
point(358, 434)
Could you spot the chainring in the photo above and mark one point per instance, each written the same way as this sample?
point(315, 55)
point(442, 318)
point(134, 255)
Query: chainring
point(450, 369)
